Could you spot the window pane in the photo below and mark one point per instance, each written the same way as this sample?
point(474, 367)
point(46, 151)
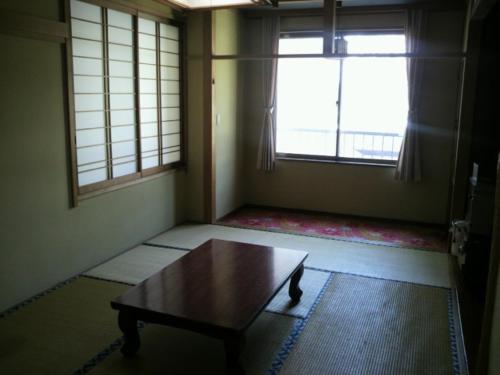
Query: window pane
point(90, 177)
point(374, 99)
point(307, 93)
point(169, 31)
point(85, 11)
point(86, 30)
point(117, 52)
point(119, 36)
point(119, 19)
point(300, 45)
point(121, 85)
point(378, 43)
point(87, 48)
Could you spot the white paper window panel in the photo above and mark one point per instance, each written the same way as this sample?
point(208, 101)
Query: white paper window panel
point(147, 71)
point(124, 169)
point(148, 101)
point(84, 84)
point(122, 133)
point(85, 120)
point(86, 30)
point(119, 19)
point(149, 144)
point(171, 140)
point(147, 41)
point(90, 177)
point(168, 45)
point(120, 36)
point(121, 149)
point(149, 115)
point(150, 162)
point(87, 66)
point(170, 59)
point(117, 52)
point(88, 167)
point(149, 129)
point(170, 100)
point(92, 102)
point(89, 137)
point(171, 157)
point(169, 31)
point(170, 127)
point(147, 86)
point(170, 87)
point(121, 69)
point(121, 85)
point(124, 159)
point(85, 11)
point(147, 26)
point(121, 101)
point(171, 149)
point(169, 73)
point(147, 154)
point(147, 56)
point(91, 154)
point(168, 114)
point(122, 117)
point(86, 48)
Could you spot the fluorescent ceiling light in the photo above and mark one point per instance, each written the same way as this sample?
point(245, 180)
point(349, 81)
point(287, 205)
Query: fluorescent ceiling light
point(194, 4)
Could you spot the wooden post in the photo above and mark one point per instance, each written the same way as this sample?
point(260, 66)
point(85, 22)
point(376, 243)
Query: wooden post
point(208, 132)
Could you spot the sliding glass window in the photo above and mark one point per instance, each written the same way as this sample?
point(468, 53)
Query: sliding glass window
point(127, 95)
point(348, 109)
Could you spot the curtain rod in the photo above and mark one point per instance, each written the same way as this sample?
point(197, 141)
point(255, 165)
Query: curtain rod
point(353, 10)
point(434, 56)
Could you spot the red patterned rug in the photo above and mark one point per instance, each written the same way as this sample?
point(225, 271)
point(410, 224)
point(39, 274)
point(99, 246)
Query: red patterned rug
point(340, 228)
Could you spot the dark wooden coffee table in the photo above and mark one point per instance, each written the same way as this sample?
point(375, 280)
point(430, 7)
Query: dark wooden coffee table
point(217, 289)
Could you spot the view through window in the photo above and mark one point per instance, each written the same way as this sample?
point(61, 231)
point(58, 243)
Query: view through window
point(354, 108)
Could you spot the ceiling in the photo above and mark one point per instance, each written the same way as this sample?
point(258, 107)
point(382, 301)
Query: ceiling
point(290, 4)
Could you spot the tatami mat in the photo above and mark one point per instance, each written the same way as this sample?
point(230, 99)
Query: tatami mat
point(138, 264)
point(166, 350)
point(417, 266)
point(378, 327)
point(57, 333)
point(135, 265)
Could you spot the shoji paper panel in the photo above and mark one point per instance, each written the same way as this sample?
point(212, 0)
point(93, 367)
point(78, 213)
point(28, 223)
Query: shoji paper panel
point(148, 98)
point(122, 93)
point(88, 83)
point(170, 93)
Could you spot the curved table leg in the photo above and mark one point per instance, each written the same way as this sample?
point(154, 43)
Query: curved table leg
point(294, 291)
point(128, 325)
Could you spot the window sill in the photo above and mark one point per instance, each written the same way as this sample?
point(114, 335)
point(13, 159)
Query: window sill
point(136, 181)
point(334, 160)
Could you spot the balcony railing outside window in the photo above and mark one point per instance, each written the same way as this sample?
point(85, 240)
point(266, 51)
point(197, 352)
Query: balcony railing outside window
point(353, 144)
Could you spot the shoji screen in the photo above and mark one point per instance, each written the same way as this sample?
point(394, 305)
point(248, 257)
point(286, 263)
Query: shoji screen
point(148, 90)
point(127, 91)
point(120, 51)
point(88, 83)
point(170, 94)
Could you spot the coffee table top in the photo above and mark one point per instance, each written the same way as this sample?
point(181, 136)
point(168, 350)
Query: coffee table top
point(221, 284)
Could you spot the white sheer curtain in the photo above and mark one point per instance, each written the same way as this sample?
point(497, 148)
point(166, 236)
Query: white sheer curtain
point(270, 43)
point(409, 165)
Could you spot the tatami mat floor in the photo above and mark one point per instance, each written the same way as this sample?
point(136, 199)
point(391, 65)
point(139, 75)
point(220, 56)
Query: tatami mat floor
point(34, 350)
point(422, 267)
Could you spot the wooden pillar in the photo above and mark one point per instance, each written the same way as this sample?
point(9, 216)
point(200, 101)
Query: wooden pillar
point(208, 129)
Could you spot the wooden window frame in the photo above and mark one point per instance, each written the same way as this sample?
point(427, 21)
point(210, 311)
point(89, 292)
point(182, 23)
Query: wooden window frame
point(110, 184)
point(335, 158)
